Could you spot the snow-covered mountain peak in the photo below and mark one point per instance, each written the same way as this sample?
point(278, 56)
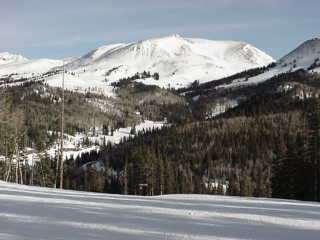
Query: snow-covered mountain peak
point(179, 61)
point(162, 47)
point(170, 36)
point(6, 58)
point(255, 55)
point(174, 35)
point(311, 41)
point(305, 55)
point(97, 53)
point(94, 55)
point(22, 67)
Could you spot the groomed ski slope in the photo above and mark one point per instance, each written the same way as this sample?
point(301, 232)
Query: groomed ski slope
point(40, 213)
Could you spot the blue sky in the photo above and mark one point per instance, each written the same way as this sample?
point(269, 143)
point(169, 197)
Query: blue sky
point(57, 29)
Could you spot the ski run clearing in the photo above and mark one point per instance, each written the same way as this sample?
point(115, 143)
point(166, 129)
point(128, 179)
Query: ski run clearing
point(31, 213)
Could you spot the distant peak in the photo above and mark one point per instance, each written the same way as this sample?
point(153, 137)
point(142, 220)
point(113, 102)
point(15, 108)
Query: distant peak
point(6, 54)
point(170, 36)
point(314, 39)
point(175, 35)
point(311, 41)
point(9, 54)
point(11, 57)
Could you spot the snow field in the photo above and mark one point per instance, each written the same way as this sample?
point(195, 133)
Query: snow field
point(40, 213)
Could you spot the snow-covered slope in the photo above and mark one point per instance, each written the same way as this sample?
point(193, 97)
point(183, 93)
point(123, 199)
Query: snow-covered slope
point(94, 55)
point(29, 67)
point(303, 56)
point(30, 213)
point(21, 67)
point(306, 56)
point(7, 58)
point(178, 60)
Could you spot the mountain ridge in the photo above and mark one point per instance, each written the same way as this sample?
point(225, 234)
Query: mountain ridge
point(7, 58)
point(305, 56)
point(180, 61)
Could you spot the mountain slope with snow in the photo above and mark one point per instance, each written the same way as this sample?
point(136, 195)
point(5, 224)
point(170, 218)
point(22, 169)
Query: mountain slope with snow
point(179, 61)
point(20, 67)
point(29, 67)
point(306, 56)
point(41, 213)
point(8, 58)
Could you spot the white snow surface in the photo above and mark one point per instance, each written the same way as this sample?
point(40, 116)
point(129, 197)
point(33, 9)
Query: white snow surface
point(179, 61)
point(82, 82)
point(302, 57)
point(222, 107)
point(27, 68)
point(29, 213)
point(7, 58)
point(22, 67)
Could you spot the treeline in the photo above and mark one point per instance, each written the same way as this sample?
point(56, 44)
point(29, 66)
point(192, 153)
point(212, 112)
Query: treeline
point(281, 93)
point(198, 88)
point(38, 106)
point(236, 156)
point(124, 82)
point(296, 166)
point(269, 146)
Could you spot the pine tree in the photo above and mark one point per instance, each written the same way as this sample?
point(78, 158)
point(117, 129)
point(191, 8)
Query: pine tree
point(279, 181)
point(313, 148)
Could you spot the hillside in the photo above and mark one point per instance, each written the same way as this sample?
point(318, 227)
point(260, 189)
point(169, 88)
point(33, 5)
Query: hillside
point(300, 65)
point(7, 58)
point(29, 67)
point(39, 213)
point(305, 57)
point(178, 60)
point(245, 151)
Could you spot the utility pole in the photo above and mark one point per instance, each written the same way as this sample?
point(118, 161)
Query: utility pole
point(32, 166)
point(57, 168)
point(62, 133)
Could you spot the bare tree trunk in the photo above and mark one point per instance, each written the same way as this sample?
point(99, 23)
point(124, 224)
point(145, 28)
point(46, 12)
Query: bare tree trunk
point(8, 174)
point(16, 171)
point(125, 176)
point(32, 167)
point(57, 170)
point(20, 172)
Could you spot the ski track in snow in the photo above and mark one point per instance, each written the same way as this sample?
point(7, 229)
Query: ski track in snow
point(41, 213)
